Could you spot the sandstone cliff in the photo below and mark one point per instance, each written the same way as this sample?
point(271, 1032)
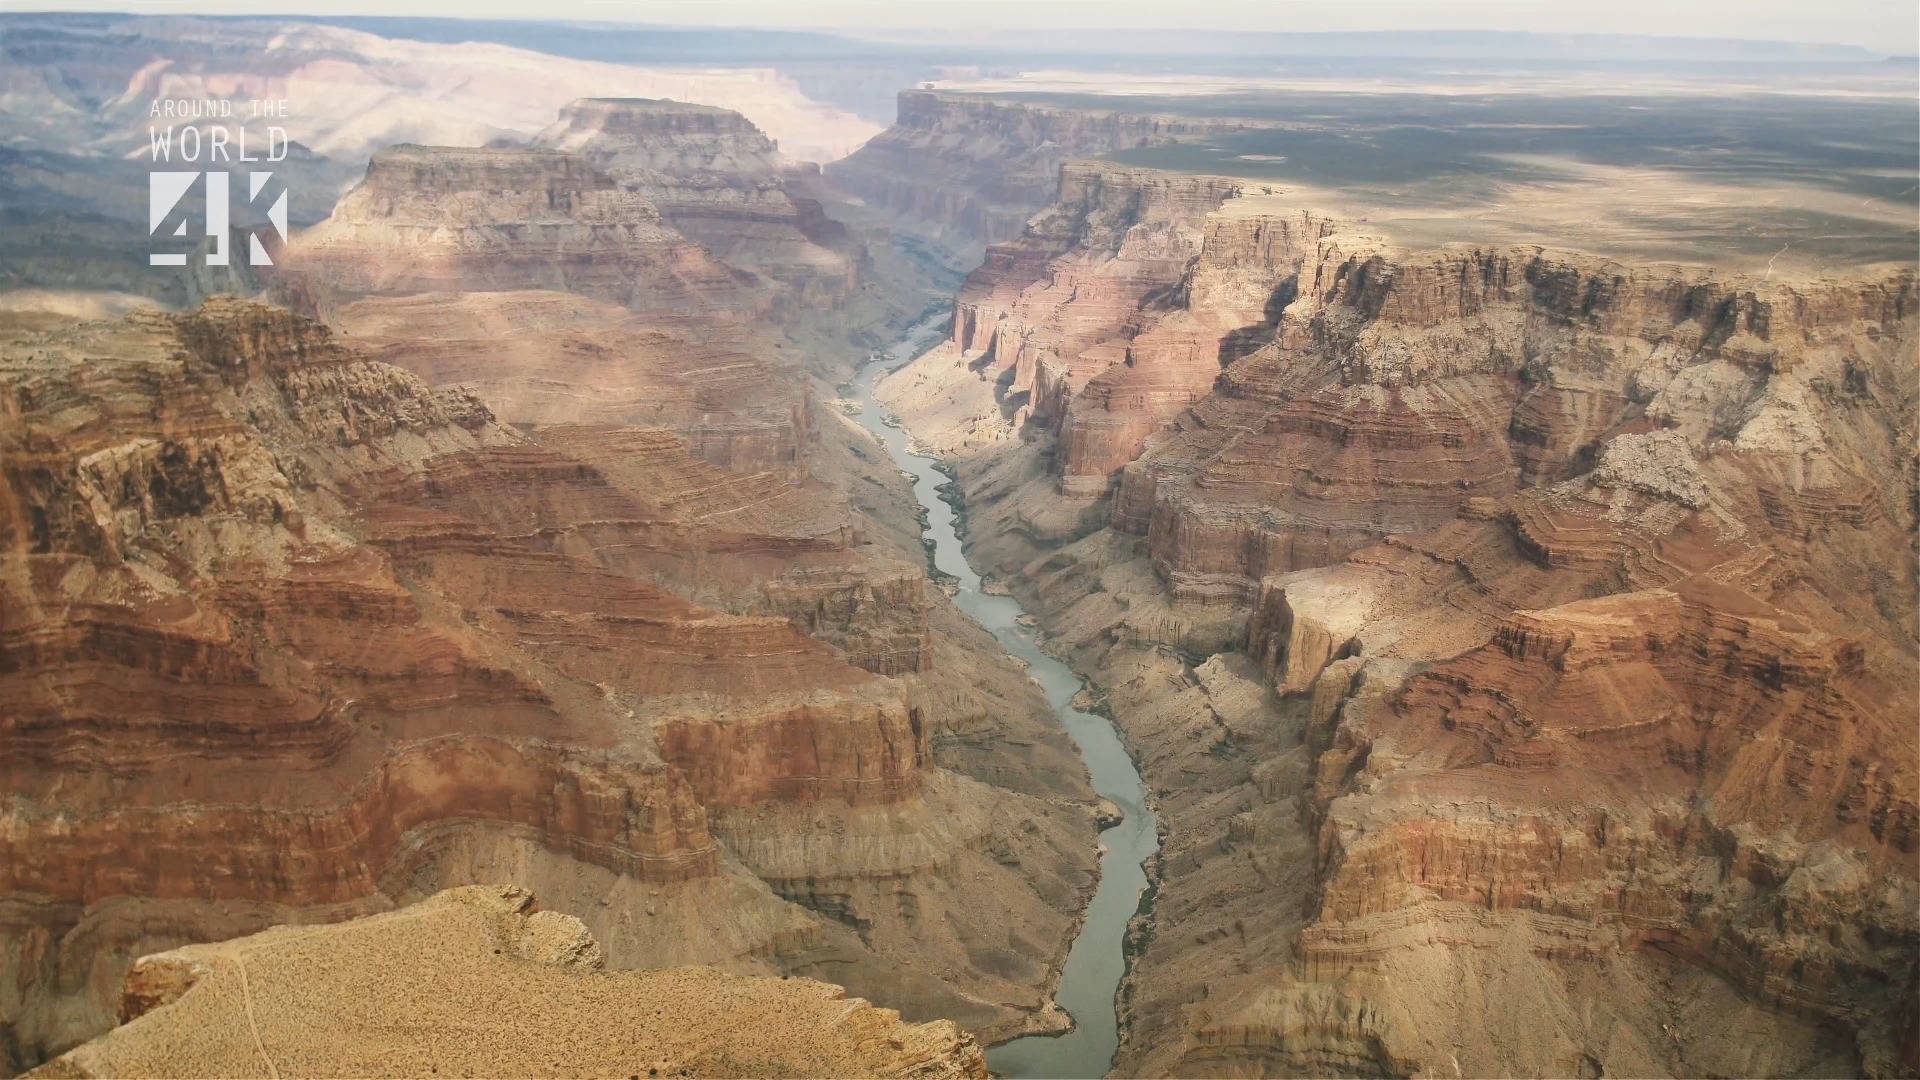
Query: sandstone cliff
point(1522, 642)
point(481, 979)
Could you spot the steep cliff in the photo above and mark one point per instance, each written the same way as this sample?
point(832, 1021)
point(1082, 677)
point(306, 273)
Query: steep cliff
point(482, 979)
point(716, 178)
point(1522, 643)
point(445, 219)
point(966, 170)
point(654, 264)
point(294, 637)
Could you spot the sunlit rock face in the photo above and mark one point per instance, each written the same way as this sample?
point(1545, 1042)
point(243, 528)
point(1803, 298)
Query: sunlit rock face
point(1522, 641)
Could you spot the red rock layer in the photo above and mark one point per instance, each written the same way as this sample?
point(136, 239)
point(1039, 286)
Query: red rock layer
point(278, 619)
point(1088, 317)
point(861, 757)
point(1587, 590)
point(642, 821)
point(1226, 305)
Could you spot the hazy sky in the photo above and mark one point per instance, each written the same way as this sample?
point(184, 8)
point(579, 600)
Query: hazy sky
point(1888, 26)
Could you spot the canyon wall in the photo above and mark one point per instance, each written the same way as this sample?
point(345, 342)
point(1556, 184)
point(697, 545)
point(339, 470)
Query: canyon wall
point(295, 636)
point(964, 170)
point(716, 178)
point(444, 219)
point(1522, 643)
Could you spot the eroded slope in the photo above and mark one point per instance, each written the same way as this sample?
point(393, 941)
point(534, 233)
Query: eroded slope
point(1522, 643)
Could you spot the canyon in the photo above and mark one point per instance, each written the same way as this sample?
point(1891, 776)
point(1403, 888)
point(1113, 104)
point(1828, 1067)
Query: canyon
point(1513, 638)
point(1171, 574)
point(301, 626)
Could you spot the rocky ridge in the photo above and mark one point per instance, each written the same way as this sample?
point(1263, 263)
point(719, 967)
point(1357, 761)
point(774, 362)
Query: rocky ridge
point(1502, 620)
point(405, 993)
point(964, 170)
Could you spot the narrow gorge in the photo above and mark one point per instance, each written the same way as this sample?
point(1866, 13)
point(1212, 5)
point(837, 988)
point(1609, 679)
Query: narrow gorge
point(1096, 962)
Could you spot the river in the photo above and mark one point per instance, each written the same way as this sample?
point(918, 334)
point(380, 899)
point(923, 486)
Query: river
point(1097, 961)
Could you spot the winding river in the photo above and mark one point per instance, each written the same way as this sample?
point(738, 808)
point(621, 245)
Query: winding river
point(1097, 962)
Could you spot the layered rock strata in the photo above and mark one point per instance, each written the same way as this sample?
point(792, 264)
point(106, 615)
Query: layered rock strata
point(442, 219)
point(404, 993)
point(967, 170)
point(294, 637)
point(542, 358)
point(654, 393)
point(718, 179)
point(1522, 643)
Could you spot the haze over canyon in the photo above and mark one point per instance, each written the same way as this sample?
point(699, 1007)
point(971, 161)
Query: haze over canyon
point(686, 552)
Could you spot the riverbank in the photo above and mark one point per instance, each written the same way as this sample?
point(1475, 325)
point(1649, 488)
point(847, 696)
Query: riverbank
point(1097, 962)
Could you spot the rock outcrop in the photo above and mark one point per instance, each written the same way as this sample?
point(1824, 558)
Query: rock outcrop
point(716, 178)
point(1522, 643)
point(446, 219)
point(482, 979)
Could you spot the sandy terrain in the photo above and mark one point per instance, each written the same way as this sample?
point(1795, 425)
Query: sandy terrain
point(477, 982)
